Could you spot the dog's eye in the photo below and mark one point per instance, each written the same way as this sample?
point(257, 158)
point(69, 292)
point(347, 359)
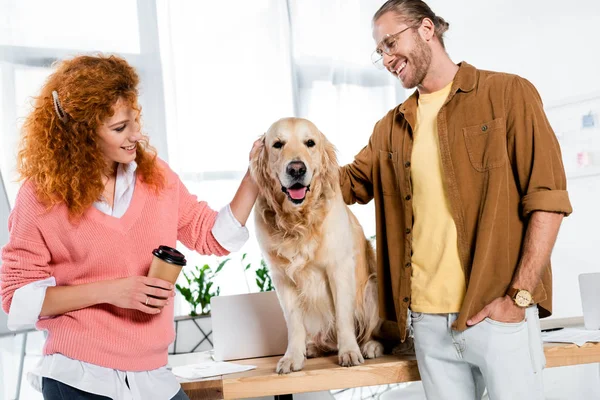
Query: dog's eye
point(310, 143)
point(278, 145)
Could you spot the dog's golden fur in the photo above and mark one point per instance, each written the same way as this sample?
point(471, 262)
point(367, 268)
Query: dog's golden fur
point(322, 265)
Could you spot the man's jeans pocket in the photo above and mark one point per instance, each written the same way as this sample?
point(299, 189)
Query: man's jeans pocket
point(507, 326)
point(525, 334)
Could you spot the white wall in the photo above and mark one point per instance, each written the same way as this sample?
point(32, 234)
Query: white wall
point(553, 43)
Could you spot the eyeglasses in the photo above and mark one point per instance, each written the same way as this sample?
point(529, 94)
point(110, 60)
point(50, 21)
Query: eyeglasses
point(387, 45)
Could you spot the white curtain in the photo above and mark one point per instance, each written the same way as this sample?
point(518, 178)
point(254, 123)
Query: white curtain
point(227, 77)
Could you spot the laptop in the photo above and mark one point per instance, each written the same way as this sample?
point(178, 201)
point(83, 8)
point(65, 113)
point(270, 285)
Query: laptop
point(589, 287)
point(247, 326)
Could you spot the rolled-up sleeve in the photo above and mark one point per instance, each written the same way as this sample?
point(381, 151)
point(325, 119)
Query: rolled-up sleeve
point(27, 304)
point(23, 262)
point(25, 258)
point(534, 152)
point(228, 231)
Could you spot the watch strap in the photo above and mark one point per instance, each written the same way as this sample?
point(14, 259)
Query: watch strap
point(512, 292)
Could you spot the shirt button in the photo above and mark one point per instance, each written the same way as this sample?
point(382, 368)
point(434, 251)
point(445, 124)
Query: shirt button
point(407, 164)
point(407, 231)
point(484, 128)
point(407, 197)
point(405, 299)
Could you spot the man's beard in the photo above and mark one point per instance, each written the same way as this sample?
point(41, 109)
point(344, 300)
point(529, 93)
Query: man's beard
point(419, 61)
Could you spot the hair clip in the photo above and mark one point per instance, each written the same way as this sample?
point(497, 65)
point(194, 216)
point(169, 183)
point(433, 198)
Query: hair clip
point(62, 115)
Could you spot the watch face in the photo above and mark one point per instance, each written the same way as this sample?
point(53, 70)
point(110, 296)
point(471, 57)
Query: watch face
point(523, 298)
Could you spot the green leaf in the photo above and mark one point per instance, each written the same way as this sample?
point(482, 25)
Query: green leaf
point(248, 267)
point(221, 265)
point(187, 294)
point(194, 277)
point(187, 278)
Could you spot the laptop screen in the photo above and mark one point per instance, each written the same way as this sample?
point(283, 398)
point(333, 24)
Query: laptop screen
point(589, 285)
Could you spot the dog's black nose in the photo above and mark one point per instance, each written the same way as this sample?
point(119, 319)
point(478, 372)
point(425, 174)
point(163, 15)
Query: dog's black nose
point(296, 169)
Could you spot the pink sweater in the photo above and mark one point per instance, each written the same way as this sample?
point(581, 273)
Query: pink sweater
point(100, 247)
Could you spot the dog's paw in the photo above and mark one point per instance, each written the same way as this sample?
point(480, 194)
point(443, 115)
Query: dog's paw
point(350, 358)
point(372, 349)
point(289, 363)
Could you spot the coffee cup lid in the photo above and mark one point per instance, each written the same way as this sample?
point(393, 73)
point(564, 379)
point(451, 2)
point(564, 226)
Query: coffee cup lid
point(170, 255)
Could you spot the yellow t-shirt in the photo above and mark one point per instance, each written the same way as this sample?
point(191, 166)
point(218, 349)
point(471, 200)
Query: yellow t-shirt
point(438, 282)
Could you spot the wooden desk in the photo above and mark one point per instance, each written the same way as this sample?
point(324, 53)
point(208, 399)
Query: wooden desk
point(325, 374)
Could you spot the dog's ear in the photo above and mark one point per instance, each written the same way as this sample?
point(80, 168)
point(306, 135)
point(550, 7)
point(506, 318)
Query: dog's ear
point(258, 166)
point(329, 163)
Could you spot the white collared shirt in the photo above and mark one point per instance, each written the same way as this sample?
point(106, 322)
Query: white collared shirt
point(158, 384)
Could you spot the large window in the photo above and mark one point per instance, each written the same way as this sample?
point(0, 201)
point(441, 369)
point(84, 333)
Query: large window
point(31, 41)
point(110, 25)
point(215, 75)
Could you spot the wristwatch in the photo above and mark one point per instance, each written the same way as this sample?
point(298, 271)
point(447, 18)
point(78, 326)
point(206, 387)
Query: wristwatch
point(521, 297)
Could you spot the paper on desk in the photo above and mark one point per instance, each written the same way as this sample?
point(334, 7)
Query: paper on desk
point(209, 368)
point(579, 336)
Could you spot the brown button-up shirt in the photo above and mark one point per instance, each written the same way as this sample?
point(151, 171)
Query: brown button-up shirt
point(500, 162)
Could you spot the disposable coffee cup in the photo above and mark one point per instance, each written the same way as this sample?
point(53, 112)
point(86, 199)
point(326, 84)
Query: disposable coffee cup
point(166, 264)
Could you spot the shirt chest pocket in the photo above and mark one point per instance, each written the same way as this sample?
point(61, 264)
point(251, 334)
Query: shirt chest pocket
point(486, 144)
point(388, 164)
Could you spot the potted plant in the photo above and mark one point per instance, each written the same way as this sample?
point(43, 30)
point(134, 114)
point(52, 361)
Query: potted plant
point(200, 288)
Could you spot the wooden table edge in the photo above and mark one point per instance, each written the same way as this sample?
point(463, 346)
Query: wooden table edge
point(324, 374)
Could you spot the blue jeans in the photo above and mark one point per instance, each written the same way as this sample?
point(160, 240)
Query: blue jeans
point(507, 358)
point(55, 390)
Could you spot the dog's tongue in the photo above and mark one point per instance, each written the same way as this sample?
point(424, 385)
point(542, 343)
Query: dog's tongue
point(297, 194)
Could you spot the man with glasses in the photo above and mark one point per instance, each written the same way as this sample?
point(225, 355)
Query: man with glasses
point(469, 192)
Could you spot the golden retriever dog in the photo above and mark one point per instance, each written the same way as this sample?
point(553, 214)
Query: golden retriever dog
point(322, 266)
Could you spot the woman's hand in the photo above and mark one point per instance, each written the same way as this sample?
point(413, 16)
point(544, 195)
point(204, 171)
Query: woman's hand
point(148, 295)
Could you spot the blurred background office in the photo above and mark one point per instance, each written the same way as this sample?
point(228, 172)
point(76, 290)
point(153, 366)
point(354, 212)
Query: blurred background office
point(215, 75)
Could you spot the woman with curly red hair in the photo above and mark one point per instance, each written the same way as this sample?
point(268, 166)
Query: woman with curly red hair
point(95, 202)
